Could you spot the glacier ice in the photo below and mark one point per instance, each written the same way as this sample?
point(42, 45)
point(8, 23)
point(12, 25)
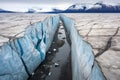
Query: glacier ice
point(21, 56)
point(84, 66)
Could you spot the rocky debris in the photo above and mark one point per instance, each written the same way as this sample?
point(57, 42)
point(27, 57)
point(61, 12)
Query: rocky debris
point(56, 64)
point(60, 43)
point(59, 32)
point(63, 38)
point(49, 52)
point(103, 33)
point(54, 49)
point(33, 73)
point(49, 73)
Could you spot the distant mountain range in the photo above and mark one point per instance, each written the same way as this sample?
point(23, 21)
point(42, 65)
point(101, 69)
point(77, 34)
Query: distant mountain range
point(34, 10)
point(5, 11)
point(99, 7)
point(31, 11)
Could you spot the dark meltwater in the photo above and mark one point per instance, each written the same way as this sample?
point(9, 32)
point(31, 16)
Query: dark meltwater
point(57, 65)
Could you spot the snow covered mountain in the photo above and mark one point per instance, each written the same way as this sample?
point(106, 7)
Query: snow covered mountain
point(5, 11)
point(34, 10)
point(75, 8)
point(31, 11)
point(97, 7)
point(42, 10)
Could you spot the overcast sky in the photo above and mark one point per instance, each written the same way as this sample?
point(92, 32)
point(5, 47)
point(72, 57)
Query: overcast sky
point(23, 5)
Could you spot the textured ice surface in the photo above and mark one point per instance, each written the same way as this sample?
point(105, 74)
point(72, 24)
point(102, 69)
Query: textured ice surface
point(84, 66)
point(20, 56)
point(14, 25)
point(97, 29)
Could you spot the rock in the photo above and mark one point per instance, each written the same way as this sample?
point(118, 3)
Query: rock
point(59, 32)
point(63, 38)
point(49, 73)
point(54, 50)
point(43, 76)
point(56, 64)
point(33, 73)
point(49, 52)
point(60, 43)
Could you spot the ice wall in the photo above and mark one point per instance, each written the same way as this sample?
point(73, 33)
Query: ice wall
point(21, 56)
point(84, 65)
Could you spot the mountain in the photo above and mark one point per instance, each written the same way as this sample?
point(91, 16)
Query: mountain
point(55, 10)
point(97, 7)
point(5, 11)
point(34, 10)
point(40, 10)
point(76, 8)
point(31, 11)
point(101, 7)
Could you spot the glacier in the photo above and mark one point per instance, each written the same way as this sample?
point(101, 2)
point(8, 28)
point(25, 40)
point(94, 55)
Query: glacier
point(21, 56)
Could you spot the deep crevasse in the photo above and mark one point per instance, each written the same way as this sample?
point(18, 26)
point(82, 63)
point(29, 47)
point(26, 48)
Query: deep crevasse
point(21, 56)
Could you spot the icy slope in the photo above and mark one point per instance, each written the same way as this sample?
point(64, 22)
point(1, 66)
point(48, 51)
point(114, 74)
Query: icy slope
point(20, 57)
point(103, 33)
point(84, 65)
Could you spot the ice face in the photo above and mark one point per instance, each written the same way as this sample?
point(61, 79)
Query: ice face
point(97, 29)
point(84, 66)
point(21, 56)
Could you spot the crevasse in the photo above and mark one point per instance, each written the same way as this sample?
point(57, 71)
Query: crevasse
point(21, 56)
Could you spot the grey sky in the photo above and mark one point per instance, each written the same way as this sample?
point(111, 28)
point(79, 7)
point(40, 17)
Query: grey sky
point(40, 1)
point(61, 4)
point(57, 1)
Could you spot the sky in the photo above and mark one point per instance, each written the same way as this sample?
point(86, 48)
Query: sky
point(46, 5)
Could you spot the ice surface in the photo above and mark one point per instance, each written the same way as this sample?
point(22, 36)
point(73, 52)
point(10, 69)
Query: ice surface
point(14, 25)
point(97, 29)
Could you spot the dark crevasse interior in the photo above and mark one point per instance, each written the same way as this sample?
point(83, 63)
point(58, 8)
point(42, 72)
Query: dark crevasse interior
point(57, 64)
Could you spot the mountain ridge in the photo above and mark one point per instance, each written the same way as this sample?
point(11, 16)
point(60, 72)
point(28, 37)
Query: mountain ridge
point(97, 7)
